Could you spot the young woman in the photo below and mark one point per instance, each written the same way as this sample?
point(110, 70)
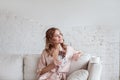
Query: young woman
point(55, 59)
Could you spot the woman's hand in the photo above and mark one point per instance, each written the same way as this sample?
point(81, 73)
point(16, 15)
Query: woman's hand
point(38, 73)
point(76, 55)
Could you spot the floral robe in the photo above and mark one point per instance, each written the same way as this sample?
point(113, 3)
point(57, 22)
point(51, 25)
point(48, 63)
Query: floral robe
point(59, 74)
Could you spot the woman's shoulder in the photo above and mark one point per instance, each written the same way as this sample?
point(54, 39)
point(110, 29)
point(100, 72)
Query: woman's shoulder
point(44, 52)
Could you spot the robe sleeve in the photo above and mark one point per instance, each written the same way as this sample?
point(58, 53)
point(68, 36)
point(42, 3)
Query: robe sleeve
point(42, 61)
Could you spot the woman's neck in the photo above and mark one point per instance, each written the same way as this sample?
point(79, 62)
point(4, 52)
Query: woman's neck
point(58, 47)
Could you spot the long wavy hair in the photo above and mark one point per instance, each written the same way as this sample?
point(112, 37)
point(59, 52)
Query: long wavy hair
point(49, 41)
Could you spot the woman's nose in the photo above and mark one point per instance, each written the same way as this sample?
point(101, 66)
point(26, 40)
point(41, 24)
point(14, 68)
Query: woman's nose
point(60, 36)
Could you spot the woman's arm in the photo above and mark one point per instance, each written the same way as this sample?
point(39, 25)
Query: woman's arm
point(47, 68)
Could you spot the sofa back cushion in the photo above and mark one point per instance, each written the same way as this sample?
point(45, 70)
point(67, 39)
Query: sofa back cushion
point(11, 67)
point(30, 66)
point(81, 63)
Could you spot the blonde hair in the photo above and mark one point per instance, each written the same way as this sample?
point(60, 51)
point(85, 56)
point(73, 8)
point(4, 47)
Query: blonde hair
point(49, 43)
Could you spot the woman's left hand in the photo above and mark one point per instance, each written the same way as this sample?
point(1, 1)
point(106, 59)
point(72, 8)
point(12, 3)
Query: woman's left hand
point(76, 56)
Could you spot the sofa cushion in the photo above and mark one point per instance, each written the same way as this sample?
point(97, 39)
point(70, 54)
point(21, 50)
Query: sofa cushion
point(78, 75)
point(11, 67)
point(30, 66)
point(81, 63)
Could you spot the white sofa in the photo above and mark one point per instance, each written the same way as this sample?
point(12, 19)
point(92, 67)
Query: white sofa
point(19, 67)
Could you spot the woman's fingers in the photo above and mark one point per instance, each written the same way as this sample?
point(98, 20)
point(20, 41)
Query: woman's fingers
point(57, 62)
point(76, 56)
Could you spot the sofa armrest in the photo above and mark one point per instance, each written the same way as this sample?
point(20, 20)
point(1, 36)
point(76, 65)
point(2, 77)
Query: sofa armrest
point(94, 68)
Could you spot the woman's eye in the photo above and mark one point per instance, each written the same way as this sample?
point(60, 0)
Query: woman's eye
point(56, 36)
point(60, 34)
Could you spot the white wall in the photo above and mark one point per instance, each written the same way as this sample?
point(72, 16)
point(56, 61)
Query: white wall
point(90, 25)
point(66, 12)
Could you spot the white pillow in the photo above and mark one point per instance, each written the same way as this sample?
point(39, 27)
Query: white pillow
point(81, 63)
point(11, 67)
point(78, 75)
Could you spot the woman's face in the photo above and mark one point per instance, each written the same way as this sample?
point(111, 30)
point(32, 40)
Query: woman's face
point(57, 37)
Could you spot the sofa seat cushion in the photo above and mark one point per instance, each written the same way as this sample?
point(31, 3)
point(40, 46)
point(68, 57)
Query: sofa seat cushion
point(78, 75)
point(11, 67)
